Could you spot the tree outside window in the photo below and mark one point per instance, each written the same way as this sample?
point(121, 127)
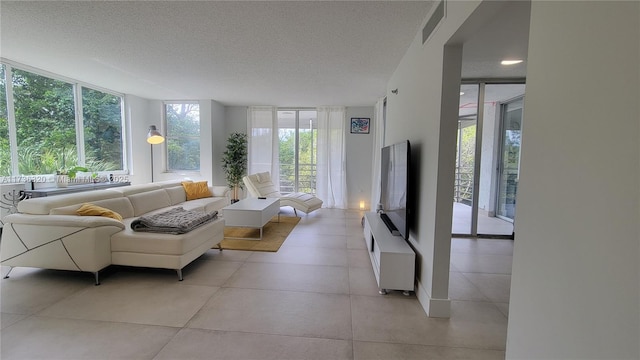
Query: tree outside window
point(183, 136)
point(45, 123)
point(102, 120)
point(47, 126)
point(5, 150)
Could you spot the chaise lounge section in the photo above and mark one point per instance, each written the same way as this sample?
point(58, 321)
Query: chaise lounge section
point(48, 233)
point(261, 185)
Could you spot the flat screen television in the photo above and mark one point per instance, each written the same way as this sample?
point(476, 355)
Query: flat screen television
point(394, 171)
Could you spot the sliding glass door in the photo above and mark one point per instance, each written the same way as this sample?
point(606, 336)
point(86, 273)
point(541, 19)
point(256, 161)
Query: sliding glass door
point(509, 165)
point(297, 134)
point(487, 159)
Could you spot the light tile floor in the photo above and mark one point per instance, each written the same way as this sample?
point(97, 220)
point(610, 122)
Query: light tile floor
point(461, 222)
point(316, 298)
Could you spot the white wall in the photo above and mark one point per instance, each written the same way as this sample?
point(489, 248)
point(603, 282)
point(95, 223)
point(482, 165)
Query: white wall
point(138, 114)
point(575, 281)
point(143, 112)
point(236, 119)
point(359, 147)
point(416, 113)
point(212, 141)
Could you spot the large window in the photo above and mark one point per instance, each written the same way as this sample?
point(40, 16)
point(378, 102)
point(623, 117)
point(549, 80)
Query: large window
point(102, 130)
point(58, 124)
point(183, 136)
point(45, 123)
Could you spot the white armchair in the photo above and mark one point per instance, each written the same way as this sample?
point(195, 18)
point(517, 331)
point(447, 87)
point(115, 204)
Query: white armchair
point(261, 185)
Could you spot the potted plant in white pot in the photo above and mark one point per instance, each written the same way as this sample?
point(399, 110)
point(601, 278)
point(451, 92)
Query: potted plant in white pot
point(64, 173)
point(234, 162)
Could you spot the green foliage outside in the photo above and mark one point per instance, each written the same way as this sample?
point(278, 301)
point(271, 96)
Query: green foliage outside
point(102, 129)
point(465, 162)
point(306, 160)
point(46, 129)
point(183, 136)
point(234, 161)
point(5, 155)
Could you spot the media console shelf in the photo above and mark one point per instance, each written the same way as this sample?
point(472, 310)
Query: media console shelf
point(392, 258)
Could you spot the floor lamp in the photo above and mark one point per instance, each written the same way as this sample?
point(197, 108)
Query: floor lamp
point(154, 137)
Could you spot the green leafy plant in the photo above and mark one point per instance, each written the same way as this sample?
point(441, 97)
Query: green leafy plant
point(234, 162)
point(72, 171)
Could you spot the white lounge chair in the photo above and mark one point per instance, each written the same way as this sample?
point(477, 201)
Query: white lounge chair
point(260, 185)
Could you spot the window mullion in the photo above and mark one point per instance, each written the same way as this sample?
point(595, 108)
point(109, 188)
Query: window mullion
point(11, 120)
point(77, 97)
point(126, 146)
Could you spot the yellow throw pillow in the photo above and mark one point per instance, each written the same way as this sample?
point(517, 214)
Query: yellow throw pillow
point(95, 210)
point(196, 190)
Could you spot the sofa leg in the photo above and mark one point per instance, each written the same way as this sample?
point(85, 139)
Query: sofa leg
point(179, 271)
point(7, 276)
point(95, 274)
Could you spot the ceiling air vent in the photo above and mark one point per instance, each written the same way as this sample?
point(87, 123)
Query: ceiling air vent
point(434, 20)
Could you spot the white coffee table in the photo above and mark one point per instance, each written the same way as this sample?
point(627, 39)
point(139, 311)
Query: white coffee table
point(251, 213)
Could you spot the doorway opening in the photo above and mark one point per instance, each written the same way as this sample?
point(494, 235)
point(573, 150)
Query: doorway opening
point(487, 159)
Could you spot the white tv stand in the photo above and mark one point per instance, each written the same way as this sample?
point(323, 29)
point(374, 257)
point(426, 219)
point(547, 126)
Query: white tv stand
point(392, 258)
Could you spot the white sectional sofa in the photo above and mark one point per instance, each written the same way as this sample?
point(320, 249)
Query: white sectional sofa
point(47, 233)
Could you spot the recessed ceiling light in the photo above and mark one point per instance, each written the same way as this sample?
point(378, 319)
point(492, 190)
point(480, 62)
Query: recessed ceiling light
point(461, 93)
point(511, 62)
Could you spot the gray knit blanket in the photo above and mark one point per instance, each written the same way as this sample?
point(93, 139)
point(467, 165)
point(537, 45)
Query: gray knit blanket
point(174, 221)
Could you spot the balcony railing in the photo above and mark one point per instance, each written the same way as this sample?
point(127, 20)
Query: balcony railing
point(306, 178)
point(463, 185)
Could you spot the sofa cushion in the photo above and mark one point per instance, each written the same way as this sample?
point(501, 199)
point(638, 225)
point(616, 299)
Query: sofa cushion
point(121, 205)
point(135, 189)
point(219, 190)
point(196, 190)
point(176, 194)
point(166, 244)
point(149, 201)
point(88, 209)
point(169, 183)
point(206, 204)
point(44, 205)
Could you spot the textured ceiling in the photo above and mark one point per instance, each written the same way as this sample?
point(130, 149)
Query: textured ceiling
point(504, 36)
point(290, 53)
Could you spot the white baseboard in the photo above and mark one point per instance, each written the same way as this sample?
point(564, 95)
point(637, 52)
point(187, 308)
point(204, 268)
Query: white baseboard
point(439, 308)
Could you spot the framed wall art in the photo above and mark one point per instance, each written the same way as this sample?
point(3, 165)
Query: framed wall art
point(360, 125)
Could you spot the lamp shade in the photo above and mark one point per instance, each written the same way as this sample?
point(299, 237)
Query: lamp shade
point(154, 136)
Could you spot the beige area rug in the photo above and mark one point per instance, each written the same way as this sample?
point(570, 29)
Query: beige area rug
point(274, 234)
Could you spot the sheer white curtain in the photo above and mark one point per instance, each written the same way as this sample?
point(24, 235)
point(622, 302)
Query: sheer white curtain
point(331, 185)
point(378, 142)
point(262, 135)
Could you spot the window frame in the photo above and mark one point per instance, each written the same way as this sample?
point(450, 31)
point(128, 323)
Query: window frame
point(123, 124)
point(165, 130)
point(314, 164)
point(77, 87)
